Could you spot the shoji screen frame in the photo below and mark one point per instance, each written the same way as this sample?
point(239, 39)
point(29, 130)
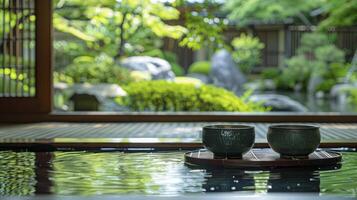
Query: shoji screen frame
point(41, 101)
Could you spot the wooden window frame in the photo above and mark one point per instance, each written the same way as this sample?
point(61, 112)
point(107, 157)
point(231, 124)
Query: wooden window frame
point(39, 109)
point(42, 101)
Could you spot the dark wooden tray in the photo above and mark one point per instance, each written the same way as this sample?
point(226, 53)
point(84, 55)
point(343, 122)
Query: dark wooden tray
point(261, 158)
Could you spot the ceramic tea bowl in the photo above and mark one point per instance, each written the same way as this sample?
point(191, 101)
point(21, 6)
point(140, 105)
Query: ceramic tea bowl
point(228, 141)
point(294, 140)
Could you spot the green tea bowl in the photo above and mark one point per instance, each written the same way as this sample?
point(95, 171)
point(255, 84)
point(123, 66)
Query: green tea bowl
point(228, 141)
point(294, 141)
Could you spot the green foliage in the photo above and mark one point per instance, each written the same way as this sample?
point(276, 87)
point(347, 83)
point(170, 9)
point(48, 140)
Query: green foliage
point(204, 28)
point(100, 69)
point(335, 73)
point(317, 56)
point(296, 73)
point(247, 51)
point(169, 96)
point(200, 67)
point(107, 25)
point(339, 13)
point(13, 81)
point(177, 69)
point(188, 80)
point(110, 29)
point(271, 73)
point(62, 78)
point(267, 10)
point(310, 41)
point(353, 97)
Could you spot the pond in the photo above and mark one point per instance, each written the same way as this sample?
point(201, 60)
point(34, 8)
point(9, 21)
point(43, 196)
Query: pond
point(314, 104)
point(158, 173)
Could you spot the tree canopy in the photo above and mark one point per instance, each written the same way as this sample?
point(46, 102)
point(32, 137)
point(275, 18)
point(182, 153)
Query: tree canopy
point(244, 12)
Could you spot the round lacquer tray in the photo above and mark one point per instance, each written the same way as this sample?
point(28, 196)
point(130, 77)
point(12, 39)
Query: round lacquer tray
point(261, 158)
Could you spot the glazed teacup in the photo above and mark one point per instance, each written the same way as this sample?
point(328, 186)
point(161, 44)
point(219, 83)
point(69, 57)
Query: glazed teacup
point(294, 140)
point(228, 141)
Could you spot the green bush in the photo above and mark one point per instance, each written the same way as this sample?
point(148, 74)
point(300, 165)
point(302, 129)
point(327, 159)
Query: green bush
point(200, 67)
point(335, 73)
point(177, 69)
point(86, 69)
point(271, 73)
point(247, 52)
point(169, 96)
point(310, 41)
point(317, 56)
point(353, 96)
point(297, 73)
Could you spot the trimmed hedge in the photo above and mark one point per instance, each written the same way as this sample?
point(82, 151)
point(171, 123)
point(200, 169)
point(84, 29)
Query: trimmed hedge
point(169, 96)
point(200, 67)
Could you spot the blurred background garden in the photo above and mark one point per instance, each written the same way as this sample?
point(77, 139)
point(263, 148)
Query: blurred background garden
point(205, 55)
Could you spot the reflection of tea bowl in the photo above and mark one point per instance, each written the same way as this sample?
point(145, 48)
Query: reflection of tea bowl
point(294, 140)
point(228, 141)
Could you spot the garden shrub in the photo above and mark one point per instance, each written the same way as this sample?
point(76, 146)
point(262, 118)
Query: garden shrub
point(177, 69)
point(169, 96)
point(296, 74)
point(316, 56)
point(247, 52)
point(87, 69)
point(271, 73)
point(353, 96)
point(188, 80)
point(200, 67)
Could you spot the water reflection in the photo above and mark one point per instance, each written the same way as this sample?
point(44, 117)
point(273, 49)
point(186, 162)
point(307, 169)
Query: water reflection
point(17, 173)
point(228, 180)
point(88, 173)
point(263, 181)
point(303, 180)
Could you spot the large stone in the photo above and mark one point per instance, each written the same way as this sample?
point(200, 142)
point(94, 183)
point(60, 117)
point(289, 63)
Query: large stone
point(156, 67)
point(86, 96)
point(340, 93)
point(339, 90)
point(101, 90)
point(313, 83)
point(261, 85)
point(225, 73)
point(85, 102)
point(278, 102)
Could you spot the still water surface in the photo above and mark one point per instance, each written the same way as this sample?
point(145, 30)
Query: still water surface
point(164, 173)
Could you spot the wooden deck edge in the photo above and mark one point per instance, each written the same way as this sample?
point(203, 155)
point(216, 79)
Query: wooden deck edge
point(178, 117)
point(156, 145)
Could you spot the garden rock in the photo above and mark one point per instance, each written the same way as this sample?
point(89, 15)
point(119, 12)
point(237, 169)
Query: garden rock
point(225, 73)
point(101, 90)
point(156, 67)
point(278, 102)
point(103, 93)
point(314, 82)
point(261, 85)
point(339, 90)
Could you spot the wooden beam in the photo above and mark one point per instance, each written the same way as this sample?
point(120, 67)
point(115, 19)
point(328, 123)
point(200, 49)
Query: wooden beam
point(178, 117)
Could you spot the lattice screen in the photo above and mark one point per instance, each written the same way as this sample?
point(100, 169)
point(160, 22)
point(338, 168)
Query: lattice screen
point(17, 48)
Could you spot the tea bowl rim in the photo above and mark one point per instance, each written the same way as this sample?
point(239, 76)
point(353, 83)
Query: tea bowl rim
point(288, 127)
point(219, 127)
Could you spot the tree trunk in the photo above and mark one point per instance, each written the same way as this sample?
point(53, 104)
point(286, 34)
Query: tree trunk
point(121, 37)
